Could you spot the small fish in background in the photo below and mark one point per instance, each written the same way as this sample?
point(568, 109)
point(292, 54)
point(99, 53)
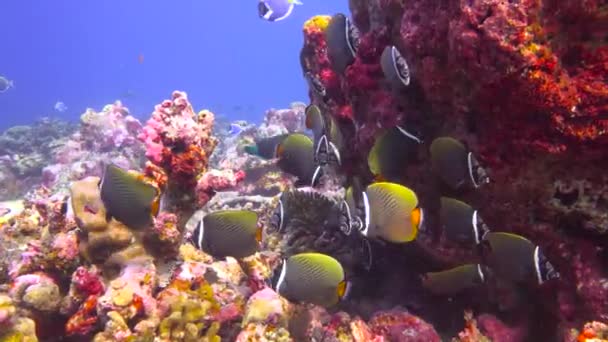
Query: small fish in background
point(455, 280)
point(276, 10)
point(127, 198)
point(266, 147)
point(311, 278)
point(6, 84)
point(128, 94)
point(60, 107)
point(235, 129)
point(140, 58)
point(224, 233)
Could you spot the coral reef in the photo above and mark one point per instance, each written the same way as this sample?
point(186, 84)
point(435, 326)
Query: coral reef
point(522, 84)
point(178, 140)
point(54, 152)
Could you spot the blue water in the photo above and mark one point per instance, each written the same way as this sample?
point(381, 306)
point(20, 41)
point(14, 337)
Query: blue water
point(86, 53)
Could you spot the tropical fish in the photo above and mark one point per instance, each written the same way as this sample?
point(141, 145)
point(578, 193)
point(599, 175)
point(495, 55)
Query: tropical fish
point(276, 10)
point(342, 42)
point(296, 157)
point(235, 130)
point(455, 280)
point(127, 198)
point(10, 209)
point(311, 278)
point(391, 153)
point(60, 107)
point(391, 213)
point(279, 217)
point(352, 208)
point(6, 84)
point(455, 165)
point(395, 68)
point(224, 233)
point(516, 258)
point(460, 222)
point(327, 136)
point(266, 147)
point(304, 206)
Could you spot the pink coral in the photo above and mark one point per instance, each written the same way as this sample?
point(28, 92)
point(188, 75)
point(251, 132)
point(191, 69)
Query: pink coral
point(178, 140)
point(401, 326)
point(496, 330)
point(131, 293)
point(87, 282)
point(216, 180)
point(111, 128)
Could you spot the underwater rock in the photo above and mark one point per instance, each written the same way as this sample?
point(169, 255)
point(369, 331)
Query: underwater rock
point(280, 121)
point(268, 308)
point(36, 291)
point(178, 140)
point(402, 326)
point(215, 180)
point(110, 129)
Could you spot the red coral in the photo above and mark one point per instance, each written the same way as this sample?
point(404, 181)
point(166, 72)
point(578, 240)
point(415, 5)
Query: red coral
point(402, 326)
point(178, 141)
point(84, 320)
point(87, 282)
point(496, 330)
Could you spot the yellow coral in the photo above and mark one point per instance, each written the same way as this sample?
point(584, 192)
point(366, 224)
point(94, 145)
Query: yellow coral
point(188, 319)
point(24, 330)
point(189, 253)
point(318, 22)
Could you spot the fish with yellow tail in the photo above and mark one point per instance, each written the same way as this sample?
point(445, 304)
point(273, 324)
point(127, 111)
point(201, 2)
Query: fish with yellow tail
point(311, 278)
point(224, 233)
point(128, 198)
point(385, 211)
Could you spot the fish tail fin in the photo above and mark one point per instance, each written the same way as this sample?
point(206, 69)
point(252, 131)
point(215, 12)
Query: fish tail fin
point(11, 84)
point(344, 289)
point(296, 2)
